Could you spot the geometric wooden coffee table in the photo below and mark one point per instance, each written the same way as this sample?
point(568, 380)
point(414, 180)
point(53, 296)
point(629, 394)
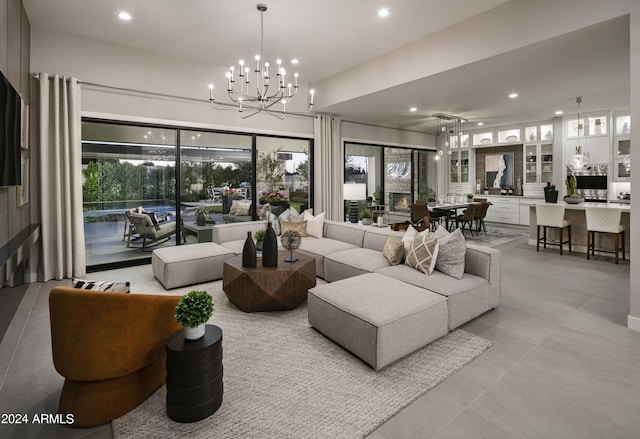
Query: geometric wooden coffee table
point(283, 287)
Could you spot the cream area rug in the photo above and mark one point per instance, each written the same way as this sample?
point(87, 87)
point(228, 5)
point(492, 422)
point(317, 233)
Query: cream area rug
point(282, 379)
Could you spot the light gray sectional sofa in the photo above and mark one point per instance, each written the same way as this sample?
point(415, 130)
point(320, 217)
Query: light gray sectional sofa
point(378, 311)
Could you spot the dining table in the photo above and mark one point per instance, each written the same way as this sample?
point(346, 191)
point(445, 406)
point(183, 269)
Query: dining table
point(451, 208)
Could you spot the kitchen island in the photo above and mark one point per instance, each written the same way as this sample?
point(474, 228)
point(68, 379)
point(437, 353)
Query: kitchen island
point(575, 214)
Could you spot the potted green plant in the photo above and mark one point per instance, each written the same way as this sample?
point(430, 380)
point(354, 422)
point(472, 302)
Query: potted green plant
point(431, 201)
point(367, 217)
point(259, 238)
point(572, 194)
point(469, 197)
point(193, 311)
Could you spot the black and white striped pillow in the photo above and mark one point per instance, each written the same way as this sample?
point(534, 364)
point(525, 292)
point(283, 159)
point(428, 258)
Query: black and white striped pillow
point(96, 285)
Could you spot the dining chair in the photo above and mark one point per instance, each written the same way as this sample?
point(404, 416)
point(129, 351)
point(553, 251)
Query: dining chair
point(552, 216)
point(467, 217)
point(481, 214)
point(607, 221)
point(420, 218)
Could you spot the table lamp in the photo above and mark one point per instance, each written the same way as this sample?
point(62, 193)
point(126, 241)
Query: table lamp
point(353, 192)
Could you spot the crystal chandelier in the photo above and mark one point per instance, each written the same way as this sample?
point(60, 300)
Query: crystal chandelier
point(579, 161)
point(266, 91)
point(450, 134)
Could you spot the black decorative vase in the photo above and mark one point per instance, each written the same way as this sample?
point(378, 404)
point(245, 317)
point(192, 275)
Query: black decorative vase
point(270, 247)
point(553, 196)
point(201, 219)
point(249, 258)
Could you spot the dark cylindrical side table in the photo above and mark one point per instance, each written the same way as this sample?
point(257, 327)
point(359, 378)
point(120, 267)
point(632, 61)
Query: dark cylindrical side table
point(194, 375)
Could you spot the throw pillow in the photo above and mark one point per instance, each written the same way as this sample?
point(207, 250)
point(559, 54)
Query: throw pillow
point(393, 250)
point(408, 236)
point(95, 285)
point(284, 216)
point(423, 254)
point(264, 212)
point(275, 223)
point(243, 208)
point(315, 224)
point(234, 207)
point(452, 252)
point(300, 227)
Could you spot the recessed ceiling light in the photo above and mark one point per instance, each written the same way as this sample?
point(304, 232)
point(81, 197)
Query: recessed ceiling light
point(513, 95)
point(413, 109)
point(294, 61)
point(122, 15)
point(559, 113)
point(384, 12)
point(480, 124)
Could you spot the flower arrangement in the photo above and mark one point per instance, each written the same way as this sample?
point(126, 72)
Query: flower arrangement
point(233, 192)
point(259, 235)
point(272, 197)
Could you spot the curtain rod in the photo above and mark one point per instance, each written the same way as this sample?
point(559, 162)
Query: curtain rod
point(164, 95)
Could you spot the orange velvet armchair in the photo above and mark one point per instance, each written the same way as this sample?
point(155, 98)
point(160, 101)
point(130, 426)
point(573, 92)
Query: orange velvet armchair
point(110, 348)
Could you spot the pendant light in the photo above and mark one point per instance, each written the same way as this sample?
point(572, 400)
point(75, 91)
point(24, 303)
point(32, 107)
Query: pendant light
point(579, 161)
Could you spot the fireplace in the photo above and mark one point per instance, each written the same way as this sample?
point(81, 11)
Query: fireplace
point(400, 202)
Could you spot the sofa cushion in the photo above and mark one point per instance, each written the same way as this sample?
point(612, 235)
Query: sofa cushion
point(423, 254)
point(352, 234)
point(319, 248)
point(377, 318)
point(466, 298)
point(393, 250)
point(352, 262)
point(451, 255)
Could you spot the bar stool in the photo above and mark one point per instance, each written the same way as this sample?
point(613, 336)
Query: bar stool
point(605, 220)
point(552, 216)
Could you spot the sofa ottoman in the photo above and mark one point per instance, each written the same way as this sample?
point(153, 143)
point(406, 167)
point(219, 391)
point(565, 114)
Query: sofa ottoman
point(377, 318)
point(189, 264)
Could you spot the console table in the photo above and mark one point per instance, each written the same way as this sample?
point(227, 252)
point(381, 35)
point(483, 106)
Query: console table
point(194, 375)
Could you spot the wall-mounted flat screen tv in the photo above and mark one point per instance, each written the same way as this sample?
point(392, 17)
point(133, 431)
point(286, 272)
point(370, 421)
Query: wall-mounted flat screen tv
point(10, 116)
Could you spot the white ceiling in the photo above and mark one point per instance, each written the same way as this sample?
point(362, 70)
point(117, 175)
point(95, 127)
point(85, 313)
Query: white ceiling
point(331, 36)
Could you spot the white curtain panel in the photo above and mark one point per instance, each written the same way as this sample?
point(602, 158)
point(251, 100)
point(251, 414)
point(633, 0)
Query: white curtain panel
point(60, 175)
point(328, 166)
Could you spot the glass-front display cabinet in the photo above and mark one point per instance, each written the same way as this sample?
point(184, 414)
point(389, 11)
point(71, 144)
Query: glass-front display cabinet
point(459, 166)
point(622, 148)
point(538, 163)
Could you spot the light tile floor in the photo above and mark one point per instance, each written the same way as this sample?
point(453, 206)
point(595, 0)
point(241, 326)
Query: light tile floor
point(562, 365)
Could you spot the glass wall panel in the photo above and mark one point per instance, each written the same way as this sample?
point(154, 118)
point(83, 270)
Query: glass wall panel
point(283, 173)
point(427, 175)
point(364, 164)
point(215, 170)
point(126, 167)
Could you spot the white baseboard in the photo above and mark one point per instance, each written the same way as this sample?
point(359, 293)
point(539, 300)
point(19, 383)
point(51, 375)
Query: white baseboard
point(633, 323)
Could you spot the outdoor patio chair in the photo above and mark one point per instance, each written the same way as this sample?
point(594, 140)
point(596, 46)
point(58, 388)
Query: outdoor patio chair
point(151, 231)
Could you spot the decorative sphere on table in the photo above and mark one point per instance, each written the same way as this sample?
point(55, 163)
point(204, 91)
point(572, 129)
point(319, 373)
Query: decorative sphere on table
point(291, 240)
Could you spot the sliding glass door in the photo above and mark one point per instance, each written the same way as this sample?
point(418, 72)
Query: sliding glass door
point(125, 167)
point(146, 187)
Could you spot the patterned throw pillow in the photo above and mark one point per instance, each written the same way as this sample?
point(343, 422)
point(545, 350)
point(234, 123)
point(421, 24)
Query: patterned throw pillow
point(423, 254)
point(300, 227)
point(393, 250)
point(452, 251)
point(243, 208)
point(408, 236)
point(275, 223)
point(96, 285)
